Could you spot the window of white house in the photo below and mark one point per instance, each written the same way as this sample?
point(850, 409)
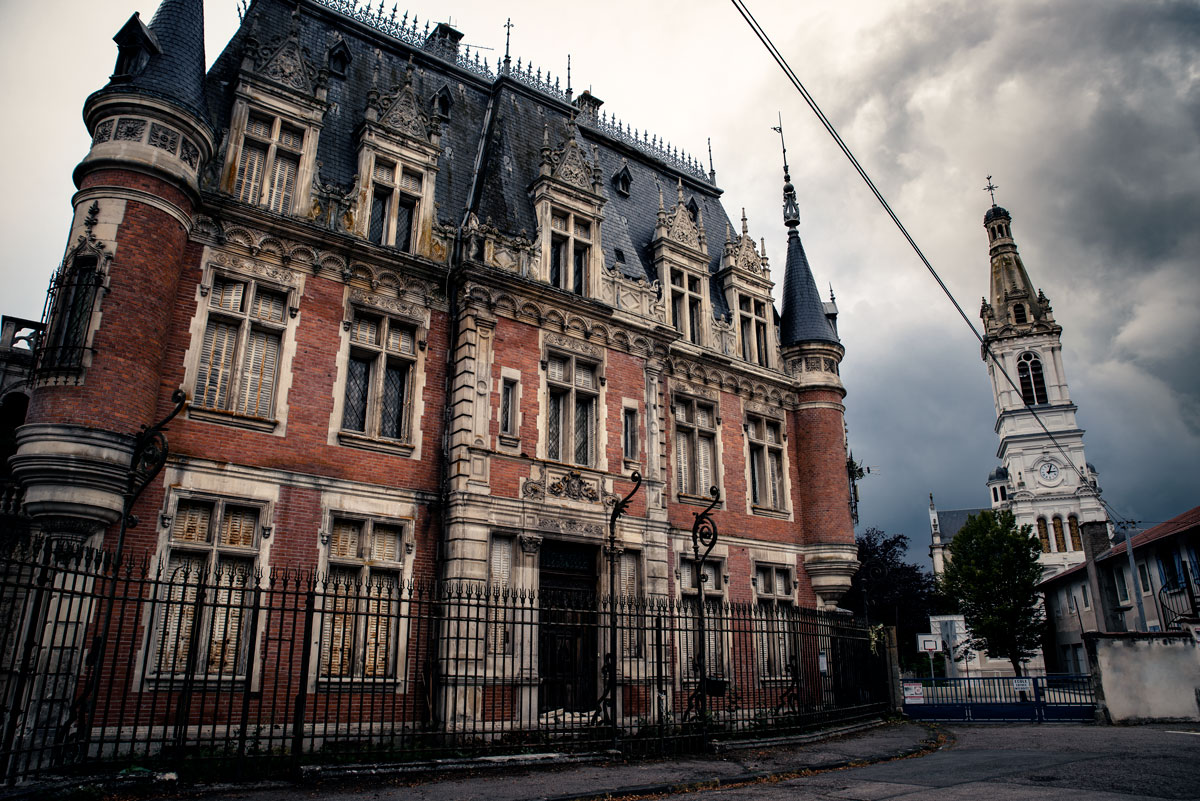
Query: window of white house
point(212, 543)
point(379, 376)
point(766, 462)
point(753, 330)
point(360, 637)
point(1033, 383)
point(776, 629)
point(239, 357)
point(570, 245)
point(572, 390)
point(714, 639)
point(269, 164)
point(1121, 576)
point(395, 194)
point(695, 446)
point(687, 306)
point(629, 434)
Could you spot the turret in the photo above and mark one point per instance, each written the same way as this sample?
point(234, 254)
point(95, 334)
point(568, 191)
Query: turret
point(96, 374)
point(811, 355)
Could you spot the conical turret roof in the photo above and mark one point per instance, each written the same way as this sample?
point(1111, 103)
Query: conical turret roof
point(175, 68)
point(803, 318)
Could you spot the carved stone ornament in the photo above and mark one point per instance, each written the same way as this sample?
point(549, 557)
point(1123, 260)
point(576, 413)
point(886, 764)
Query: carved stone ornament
point(530, 543)
point(746, 256)
point(534, 489)
point(360, 297)
point(404, 114)
point(573, 486)
point(288, 66)
point(680, 228)
point(754, 407)
point(569, 525)
point(693, 389)
point(571, 167)
point(280, 275)
point(572, 344)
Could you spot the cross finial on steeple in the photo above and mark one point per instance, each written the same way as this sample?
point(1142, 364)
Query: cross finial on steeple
point(991, 189)
point(508, 26)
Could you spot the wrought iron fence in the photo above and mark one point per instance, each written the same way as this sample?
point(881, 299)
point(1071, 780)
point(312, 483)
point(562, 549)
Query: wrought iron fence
point(206, 670)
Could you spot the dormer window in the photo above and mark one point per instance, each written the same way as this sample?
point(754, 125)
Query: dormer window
point(339, 59)
point(686, 305)
point(135, 45)
point(269, 163)
point(753, 330)
point(570, 244)
point(622, 182)
point(395, 192)
point(442, 101)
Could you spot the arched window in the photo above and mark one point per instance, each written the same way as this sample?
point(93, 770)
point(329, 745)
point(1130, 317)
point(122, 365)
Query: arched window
point(995, 495)
point(1043, 536)
point(1033, 383)
point(1019, 314)
point(1073, 527)
point(1060, 545)
point(1003, 494)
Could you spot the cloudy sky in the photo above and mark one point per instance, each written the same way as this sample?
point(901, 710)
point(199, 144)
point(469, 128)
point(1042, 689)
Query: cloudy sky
point(1086, 112)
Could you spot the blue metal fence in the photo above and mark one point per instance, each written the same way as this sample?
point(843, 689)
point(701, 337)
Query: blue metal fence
point(1033, 699)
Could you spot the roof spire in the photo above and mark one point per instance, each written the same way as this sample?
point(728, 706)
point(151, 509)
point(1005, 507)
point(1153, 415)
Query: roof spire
point(791, 211)
point(745, 229)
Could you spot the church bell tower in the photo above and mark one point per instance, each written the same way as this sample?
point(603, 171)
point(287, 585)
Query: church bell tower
point(1043, 477)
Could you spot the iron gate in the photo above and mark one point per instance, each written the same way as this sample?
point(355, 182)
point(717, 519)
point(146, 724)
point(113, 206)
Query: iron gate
point(1033, 699)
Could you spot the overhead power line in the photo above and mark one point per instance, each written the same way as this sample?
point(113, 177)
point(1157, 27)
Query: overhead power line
point(761, 33)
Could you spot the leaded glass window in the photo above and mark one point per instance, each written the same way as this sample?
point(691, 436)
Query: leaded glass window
point(572, 387)
point(377, 400)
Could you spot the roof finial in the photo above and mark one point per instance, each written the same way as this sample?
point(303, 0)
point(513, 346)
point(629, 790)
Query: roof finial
point(568, 74)
point(745, 230)
point(508, 26)
point(832, 299)
point(679, 189)
point(991, 190)
point(712, 173)
point(791, 211)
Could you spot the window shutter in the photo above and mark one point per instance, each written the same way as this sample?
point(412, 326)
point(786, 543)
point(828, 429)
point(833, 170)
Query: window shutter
point(291, 137)
point(283, 183)
point(501, 566)
point(400, 339)
point(365, 331)
point(268, 306)
point(250, 172)
point(688, 634)
point(633, 623)
point(239, 526)
point(682, 474)
point(385, 543)
point(499, 577)
point(775, 474)
point(337, 623)
point(381, 610)
point(259, 126)
point(227, 295)
point(556, 368)
point(704, 416)
point(216, 365)
point(762, 614)
point(343, 542)
point(258, 374)
point(411, 181)
point(704, 464)
point(191, 523)
point(184, 574)
point(225, 646)
point(585, 376)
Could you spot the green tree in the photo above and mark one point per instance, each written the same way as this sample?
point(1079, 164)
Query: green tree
point(891, 590)
point(993, 575)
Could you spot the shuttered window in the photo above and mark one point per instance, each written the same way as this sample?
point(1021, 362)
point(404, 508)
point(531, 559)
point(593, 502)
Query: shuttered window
point(269, 163)
point(499, 626)
point(695, 447)
point(776, 632)
point(359, 600)
point(212, 547)
point(571, 416)
point(239, 356)
point(765, 442)
point(379, 377)
point(689, 634)
point(394, 204)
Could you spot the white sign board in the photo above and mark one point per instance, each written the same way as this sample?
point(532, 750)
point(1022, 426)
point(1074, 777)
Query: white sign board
point(929, 643)
point(914, 692)
point(1022, 685)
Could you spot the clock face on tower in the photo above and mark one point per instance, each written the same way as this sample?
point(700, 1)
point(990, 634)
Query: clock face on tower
point(1048, 471)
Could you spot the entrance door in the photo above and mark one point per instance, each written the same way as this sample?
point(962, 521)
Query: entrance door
point(567, 635)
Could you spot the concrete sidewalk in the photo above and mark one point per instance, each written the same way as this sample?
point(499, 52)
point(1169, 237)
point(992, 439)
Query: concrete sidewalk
point(562, 778)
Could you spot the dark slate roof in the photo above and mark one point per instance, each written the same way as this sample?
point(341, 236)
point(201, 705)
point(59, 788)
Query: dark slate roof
point(512, 140)
point(176, 73)
point(996, 213)
point(951, 521)
point(804, 317)
point(998, 474)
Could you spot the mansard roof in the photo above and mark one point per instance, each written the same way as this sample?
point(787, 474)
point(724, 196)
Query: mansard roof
point(508, 159)
point(174, 70)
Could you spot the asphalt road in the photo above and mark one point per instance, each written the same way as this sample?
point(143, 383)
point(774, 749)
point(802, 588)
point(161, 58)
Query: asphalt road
point(1047, 762)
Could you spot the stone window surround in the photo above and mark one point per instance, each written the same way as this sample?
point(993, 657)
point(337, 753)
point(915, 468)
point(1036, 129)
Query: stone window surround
point(701, 498)
point(785, 508)
point(576, 349)
point(419, 319)
point(253, 100)
point(252, 273)
point(509, 440)
point(417, 158)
